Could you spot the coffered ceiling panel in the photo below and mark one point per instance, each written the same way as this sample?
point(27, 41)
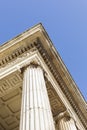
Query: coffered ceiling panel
point(10, 82)
point(10, 105)
point(10, 101)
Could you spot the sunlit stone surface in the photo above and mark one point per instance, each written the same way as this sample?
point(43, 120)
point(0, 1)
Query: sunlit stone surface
point(35, 111)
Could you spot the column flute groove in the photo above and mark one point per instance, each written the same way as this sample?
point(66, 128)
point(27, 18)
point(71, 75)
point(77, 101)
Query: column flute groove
point(35, 108)
point(65, 122)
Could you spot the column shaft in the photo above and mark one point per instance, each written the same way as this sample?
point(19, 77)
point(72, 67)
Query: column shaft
point(65, 122)
point(35, 109)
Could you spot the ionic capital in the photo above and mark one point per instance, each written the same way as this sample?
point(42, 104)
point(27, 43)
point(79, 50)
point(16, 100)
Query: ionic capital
point(63, 115)
point(31, 65)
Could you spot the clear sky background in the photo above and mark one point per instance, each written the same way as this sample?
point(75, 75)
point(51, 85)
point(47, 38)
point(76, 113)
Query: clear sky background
point(64, 20)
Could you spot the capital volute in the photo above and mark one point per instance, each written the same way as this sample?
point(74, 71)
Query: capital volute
point(63, 115)
point(30, 65)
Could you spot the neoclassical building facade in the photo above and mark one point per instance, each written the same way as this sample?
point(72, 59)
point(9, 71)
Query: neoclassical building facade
point(36, 90)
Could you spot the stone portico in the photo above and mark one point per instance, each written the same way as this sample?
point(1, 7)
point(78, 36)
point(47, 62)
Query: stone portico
point(36, 90)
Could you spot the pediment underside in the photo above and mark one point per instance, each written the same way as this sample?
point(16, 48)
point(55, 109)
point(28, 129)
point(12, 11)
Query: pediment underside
point(10, 102)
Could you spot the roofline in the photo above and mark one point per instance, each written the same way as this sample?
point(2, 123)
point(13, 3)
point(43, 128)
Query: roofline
point(28, 32)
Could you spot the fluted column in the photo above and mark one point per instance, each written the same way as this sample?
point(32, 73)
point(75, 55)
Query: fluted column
point(65, 122)
point(35, 109)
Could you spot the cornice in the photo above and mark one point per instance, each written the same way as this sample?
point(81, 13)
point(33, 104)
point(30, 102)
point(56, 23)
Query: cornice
point(20, 37)
point(17, 53)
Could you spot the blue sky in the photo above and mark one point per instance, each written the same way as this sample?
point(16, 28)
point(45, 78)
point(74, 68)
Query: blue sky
point(64, 20)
